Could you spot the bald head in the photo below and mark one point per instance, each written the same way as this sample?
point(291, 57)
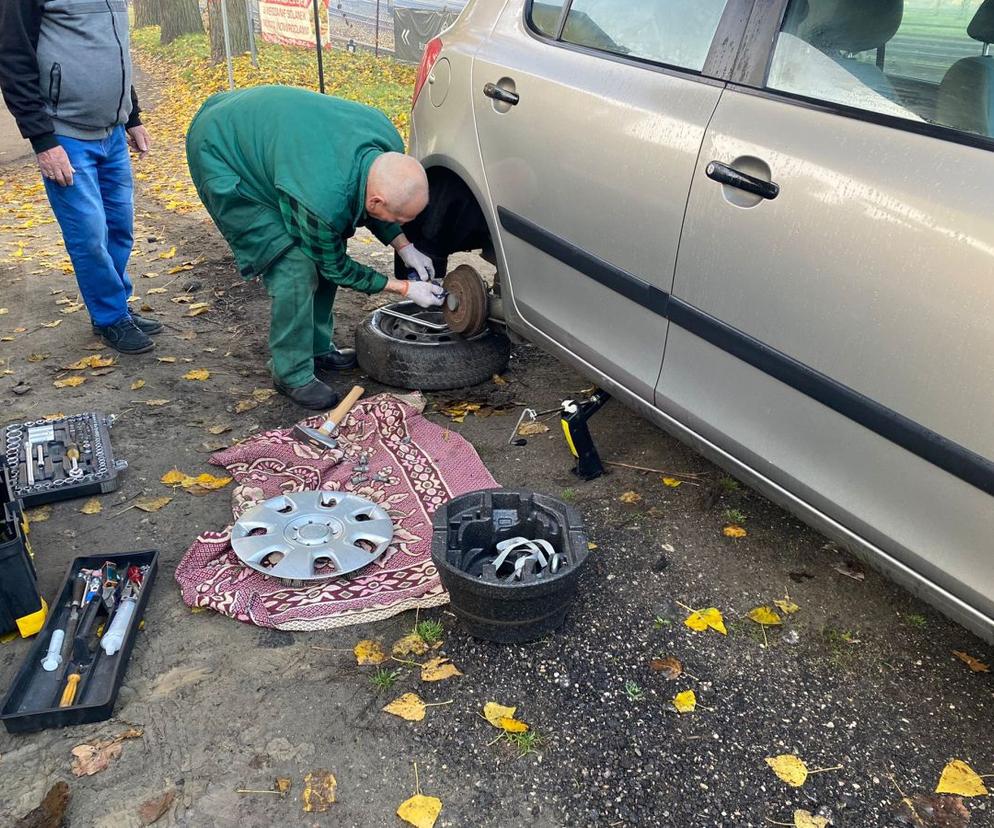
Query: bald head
point(397, 188)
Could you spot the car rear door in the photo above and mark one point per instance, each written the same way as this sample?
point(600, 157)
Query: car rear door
point(590, 119)
point(835, 330)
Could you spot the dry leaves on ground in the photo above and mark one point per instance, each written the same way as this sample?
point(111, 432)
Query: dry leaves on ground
point(39, 515)
point(960, 779)
point(921, 811)
point(92, 361)
point(197, 375)
point(532, 429)
point(369, 651)
point(765, 616)
point(457, 411)
point(701, 620)
point(137, 384)
point(69, 382)
point(157, 403)
point(51, 813)
point(806, 819)
point(685, 702)
point(319, 791)
point(786, 606)
point(92, 507)
point(672, 482)
point(974, 664)
point(630, 497)
point(410, 706)
point(201, 484)
point(152, 810)
point(420, 811)
point(89, 759)
point(734, 531)
point(152, 504)
point(670, 667)
point(438, 669)
point(410, 644)
point(791, 769)
point(220, 428)
point(503, 717)
point(168, 254)
point(198, 308)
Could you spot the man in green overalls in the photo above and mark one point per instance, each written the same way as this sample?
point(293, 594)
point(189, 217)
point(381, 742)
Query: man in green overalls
point(288, 175)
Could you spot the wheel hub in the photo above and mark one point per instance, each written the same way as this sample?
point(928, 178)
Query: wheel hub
point(467, 306)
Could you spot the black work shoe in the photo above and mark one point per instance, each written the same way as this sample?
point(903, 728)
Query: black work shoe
point(343, 359)
point(148, 326)
point(125, 337)
point(145, 325)
point(315, 395)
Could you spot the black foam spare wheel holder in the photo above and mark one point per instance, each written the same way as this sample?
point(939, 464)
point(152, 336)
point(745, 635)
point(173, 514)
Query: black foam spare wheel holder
point(465, 535)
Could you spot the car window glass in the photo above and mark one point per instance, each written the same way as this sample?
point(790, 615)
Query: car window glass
point(673, 32)
point(545, 17)
point(921, 60)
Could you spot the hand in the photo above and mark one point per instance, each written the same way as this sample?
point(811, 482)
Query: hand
point(425, 294)
point(55, 165)
point(416, 260)
point(139, 140)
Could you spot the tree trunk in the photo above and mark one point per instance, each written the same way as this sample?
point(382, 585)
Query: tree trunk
point(180, 17)
point(237, 28)
point(147, 13)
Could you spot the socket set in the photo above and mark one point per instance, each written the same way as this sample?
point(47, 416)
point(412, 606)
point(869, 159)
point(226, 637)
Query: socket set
point(61, 459)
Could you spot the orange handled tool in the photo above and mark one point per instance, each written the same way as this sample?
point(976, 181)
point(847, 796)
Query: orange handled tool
point(69, 694)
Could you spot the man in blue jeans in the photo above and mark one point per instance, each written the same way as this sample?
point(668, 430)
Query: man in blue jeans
point(65, 74)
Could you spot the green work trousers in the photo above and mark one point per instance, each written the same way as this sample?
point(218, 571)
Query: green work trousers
point(301, 320)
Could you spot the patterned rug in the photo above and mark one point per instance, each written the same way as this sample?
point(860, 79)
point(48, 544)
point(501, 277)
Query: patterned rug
point(423, 465)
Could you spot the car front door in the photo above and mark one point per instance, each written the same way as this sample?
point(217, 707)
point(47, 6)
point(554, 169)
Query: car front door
point(832, 310)
point(589, 121)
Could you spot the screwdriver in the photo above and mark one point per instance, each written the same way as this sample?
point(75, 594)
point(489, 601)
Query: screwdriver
point(73, 454)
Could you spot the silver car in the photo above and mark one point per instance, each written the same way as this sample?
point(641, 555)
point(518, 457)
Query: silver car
point(766, 225)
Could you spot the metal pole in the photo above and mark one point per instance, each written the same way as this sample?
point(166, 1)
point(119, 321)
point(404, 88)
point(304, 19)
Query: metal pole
point(377, 28)
point(317, 37)
point(251, 25)
point(227, 44)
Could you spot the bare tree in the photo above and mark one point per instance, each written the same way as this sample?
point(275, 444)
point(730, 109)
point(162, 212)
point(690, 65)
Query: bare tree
point(148, 13)
point(237, 28)
point(180, 17)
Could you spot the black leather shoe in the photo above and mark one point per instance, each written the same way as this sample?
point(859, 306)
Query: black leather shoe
point(315, 395)
point(146, 326)
point(125, 337)
point(337, 360)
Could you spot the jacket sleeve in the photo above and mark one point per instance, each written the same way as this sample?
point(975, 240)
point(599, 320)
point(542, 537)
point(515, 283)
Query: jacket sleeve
point(385, 231)
point(326, 247)
point(134, 119)
point(20, 23)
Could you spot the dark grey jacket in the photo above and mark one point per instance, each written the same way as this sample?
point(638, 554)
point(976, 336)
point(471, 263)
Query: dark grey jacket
point(65, 68)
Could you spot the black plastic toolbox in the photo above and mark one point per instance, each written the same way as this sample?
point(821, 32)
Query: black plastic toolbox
point(58, 476)
point(22, 609)
point(31, 703)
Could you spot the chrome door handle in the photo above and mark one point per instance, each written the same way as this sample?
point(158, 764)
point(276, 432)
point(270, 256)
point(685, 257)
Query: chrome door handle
point(492, 90)
point(724, 174)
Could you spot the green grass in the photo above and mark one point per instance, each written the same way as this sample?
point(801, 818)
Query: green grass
point(568, 494)
point(918, 621)
point(429, 631)
point(384, 679)
point(634, 691)
point(735, 516)
point(729, 484)
point(525, 743)
point(659, 622)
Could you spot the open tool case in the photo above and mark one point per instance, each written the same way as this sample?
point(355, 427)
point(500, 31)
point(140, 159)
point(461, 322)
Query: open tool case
point(21, 607)
point(61, 474)
point(32, 703)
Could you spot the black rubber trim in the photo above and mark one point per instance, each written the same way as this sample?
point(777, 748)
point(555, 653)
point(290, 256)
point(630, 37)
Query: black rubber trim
point(929, 445)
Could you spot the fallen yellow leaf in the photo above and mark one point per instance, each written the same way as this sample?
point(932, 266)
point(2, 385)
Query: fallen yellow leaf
point(630, 497)
point(138, 383)
point(69, 382)
point(438, 669)
point(532, 429)
point(685, 702)
point(39, 515)
point(245, 405)
point(263, 394)
point(167, 359)
point(503, 717)
point(319, 791)
point(974, 664)
point(156, 403)
point(198, 308)
point(92, 507)
point(733, 531)
point(4, 311)
point(420, 811)
point(152, 504)
point(206, 481)
point(173, 478)
point(38, 357)
point(168, 254)
point(155, 290)
point(197, 375)
point(701, 620)
point(92, 361)
point(218, 429)
point(410, 644)
point(282, 785)
point(513, 725)
point(786, 606)
point(410, 706)
point(54, 324)
point(789, 768)
point(765, 616)
point(369, 652)
point(960, 779)
point(672, 482)
point(806, 819)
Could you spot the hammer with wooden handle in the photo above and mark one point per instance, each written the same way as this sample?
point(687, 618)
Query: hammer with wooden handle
point(321, 437)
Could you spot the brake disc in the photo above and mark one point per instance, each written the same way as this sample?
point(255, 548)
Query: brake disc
point(467, 305)
point(309, 535)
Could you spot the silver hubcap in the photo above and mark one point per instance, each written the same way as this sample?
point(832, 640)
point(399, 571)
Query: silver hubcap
point(309, 535)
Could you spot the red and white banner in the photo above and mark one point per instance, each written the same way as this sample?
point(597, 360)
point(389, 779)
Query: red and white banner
point(291, 22)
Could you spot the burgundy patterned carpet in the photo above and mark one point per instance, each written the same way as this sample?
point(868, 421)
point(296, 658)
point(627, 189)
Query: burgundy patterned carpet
point(425, 466)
